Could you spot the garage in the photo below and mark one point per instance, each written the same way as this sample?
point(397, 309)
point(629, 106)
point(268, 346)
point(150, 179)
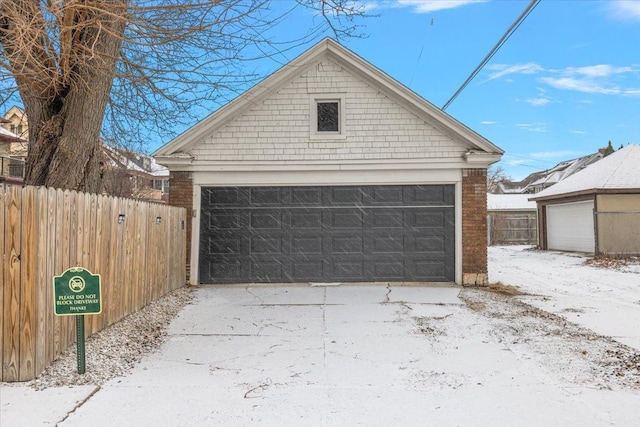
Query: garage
point(331, 171)
point(570, 227)
point(327, 234)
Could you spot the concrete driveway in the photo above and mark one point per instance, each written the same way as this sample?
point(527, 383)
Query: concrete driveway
point(343, 356)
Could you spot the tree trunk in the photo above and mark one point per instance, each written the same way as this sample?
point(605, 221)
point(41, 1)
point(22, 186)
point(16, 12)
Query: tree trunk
point(65, 150)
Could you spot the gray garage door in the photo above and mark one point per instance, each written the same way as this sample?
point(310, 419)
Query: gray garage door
point(327, 234)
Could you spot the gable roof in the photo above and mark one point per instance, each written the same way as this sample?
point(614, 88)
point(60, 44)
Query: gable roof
point(618, 171)
point(328, 48)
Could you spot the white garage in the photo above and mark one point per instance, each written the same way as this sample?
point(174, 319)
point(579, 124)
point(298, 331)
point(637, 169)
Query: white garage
point(570, 227)
point(596, 210)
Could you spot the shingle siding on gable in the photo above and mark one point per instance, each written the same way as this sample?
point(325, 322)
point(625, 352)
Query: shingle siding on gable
point(279, 128)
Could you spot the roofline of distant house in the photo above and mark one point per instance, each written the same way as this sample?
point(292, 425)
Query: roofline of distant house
point(591, 191)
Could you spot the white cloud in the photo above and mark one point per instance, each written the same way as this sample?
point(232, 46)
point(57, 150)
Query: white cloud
point(517, 162)
point(488, 122)
point(624, 10)
point(600, 70)
point(580, 85)
point(533, 127)
point(538, 102)
point(426, 6)
point(602, 79)
point(579, 132)
point(501, 70)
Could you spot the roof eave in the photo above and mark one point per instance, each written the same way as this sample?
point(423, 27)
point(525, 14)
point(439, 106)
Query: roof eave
point(591, 191)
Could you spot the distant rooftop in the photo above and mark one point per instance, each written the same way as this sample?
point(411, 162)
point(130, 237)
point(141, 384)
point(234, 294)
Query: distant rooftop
point(617, 171)
point(538, 181)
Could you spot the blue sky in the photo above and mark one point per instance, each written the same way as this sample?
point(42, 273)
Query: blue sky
point(565, 83)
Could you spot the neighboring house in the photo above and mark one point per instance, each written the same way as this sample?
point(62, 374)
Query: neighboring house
point(15, 121)
point(512, 219)
point(331, 171)
point(597, 210)
point(538, 181)
point(11, 168)
point(136, 175)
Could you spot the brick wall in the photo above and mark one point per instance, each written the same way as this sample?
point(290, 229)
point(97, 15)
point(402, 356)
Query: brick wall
point(181, 194)
point(474, 227)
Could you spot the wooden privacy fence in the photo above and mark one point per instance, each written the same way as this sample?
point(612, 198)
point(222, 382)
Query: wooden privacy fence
point(137, 247)
point(506, 228)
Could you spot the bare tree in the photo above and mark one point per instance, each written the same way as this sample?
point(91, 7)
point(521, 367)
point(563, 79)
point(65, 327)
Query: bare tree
point(142, 67)
point(495, 176)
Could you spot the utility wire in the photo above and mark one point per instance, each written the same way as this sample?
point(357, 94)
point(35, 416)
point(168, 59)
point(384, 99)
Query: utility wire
point(495, 49)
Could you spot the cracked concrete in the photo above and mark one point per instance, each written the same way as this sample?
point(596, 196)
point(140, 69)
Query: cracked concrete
point(334, 356)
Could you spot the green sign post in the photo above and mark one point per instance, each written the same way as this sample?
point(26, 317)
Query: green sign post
point(75, 293)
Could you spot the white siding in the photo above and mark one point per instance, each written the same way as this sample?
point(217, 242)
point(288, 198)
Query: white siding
point(570, 227)
point(278, 129)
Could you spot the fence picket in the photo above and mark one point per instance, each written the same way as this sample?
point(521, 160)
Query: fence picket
point(28, 308)
point(11, 308)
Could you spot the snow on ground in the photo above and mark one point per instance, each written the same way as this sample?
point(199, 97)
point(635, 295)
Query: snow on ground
point(605, 300)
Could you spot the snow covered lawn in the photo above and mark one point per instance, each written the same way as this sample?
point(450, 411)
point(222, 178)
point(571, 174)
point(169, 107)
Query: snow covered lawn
point(605, 300)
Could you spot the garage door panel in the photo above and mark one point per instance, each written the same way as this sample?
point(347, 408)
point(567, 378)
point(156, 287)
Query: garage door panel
point(223, 220)
point(306, 270)
point(431, 218)
point(336, 196)
point(309, 245)
point(387, 195)
point(347, 270)
point(267, 220)
point(388, 245)
point(386, 218)
point(266, 245)
point(388, 270)
point(305, 219)
point(266, 271)
point(346, 245)
point(307, 196)
point(344, 218)
point(225, 270)
point(426, 271)
point(429, 245)
point(224, 197)
point(432, 194)
point(223, 245)
point(266, 196)
point(329, 234)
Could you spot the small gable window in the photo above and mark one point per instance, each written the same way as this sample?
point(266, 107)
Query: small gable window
point(328, 116)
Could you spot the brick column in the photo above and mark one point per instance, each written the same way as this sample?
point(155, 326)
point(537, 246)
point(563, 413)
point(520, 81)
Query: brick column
point(474, 227)
point(181, 194)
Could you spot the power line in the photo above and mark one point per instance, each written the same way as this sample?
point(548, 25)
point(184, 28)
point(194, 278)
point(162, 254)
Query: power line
point(495, 49)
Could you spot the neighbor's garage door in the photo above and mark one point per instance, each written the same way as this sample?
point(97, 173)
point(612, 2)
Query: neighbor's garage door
point(327, 234)
point(570, 227)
